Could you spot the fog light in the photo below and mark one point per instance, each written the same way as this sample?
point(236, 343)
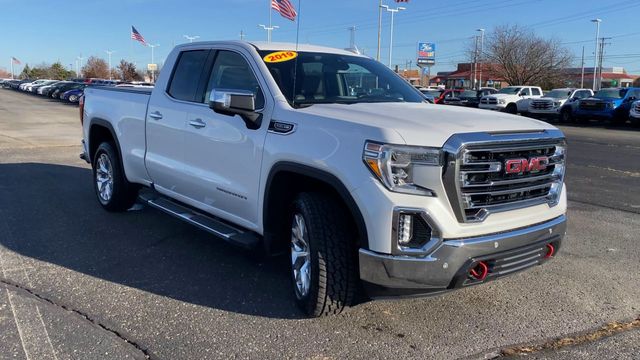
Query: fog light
point(405, 229)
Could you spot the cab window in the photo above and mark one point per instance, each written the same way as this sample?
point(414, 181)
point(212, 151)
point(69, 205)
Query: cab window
point(232, 72)
point(186, 74)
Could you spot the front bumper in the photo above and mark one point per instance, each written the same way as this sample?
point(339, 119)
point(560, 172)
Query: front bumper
point(596, 115)
point(550, 112)
point(497, 107)
point(448, 266)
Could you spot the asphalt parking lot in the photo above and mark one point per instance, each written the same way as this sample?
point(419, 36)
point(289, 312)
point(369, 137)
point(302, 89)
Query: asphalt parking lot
point(78, 282)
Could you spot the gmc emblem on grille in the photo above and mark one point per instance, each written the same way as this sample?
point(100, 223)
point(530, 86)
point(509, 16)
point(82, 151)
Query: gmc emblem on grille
point(521, 166)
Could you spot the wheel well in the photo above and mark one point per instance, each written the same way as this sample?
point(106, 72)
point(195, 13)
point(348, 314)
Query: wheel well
point(97, 135)
point(282, 188)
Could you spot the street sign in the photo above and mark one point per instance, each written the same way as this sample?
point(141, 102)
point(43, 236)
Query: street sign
point(152, 67)
point(426, 53)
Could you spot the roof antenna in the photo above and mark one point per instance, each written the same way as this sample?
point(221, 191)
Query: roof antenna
point(295, 65)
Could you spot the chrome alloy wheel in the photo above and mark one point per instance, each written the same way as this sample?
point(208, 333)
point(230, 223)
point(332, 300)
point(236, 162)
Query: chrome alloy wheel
point(300, 256)
point(104, 177)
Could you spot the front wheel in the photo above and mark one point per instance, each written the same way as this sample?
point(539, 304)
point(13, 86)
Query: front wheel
point(512, 109)
point(323, 262)
point(114, 192)
point(566, 116)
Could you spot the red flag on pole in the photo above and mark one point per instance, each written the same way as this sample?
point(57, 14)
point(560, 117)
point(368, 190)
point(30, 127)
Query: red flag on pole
point(15, 61)
point(285, 8)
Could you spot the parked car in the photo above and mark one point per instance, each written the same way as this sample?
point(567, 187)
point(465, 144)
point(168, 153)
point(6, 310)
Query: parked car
point(34, 89)
point(72, 95)
point(28, 86)
point(361, 191)
point(558, 103)
point(48, 90)
point(612, 104)
point(57, 93)
point(634, 113)
point(469, 98)
point(511, 99)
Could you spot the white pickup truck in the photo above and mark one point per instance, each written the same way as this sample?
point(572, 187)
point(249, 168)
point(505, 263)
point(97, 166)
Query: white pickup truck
point(511, 99)
point(333, 158)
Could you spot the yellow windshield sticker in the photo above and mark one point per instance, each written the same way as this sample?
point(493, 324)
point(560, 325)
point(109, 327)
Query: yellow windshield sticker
point(280, 56)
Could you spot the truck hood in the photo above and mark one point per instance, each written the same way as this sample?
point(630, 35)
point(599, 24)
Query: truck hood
point(425, 124)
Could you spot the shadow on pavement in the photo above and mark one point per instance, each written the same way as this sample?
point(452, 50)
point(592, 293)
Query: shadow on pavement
point(52, 215)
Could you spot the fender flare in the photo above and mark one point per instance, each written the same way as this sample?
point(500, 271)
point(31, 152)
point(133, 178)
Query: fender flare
point(325, 177)
point(106, 124)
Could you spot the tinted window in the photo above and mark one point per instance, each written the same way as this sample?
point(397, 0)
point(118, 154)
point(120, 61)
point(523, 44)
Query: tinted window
point(184, 83)
point(535, 91)
point(232, 72)
point(583, 94)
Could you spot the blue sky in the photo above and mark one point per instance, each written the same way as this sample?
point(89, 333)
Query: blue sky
point(46, 30)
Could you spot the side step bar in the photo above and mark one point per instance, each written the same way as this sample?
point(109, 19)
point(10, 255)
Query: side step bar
point(245, 239)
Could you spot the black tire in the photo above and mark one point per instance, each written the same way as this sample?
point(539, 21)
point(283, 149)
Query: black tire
point(511, 109)
point(333, 274)
point(619, 119)
point(566, 116)
point(634, 122)
point(123, 194)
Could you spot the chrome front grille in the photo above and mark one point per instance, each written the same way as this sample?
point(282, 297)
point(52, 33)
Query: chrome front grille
point(542, 104)
point(637, 107)
point(476, 177)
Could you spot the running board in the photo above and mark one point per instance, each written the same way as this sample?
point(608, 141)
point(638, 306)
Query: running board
point(210, 224)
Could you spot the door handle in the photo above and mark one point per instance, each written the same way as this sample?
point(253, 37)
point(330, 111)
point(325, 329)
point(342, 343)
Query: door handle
point(197, 123)
point(155, 115)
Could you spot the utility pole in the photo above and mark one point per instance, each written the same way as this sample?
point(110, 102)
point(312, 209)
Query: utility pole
point(379, 29)
point(109, 52)
point(601, 60)
point(595, 61)
point(480, 55)
point(269, 28)
point(582, 72)
point(392, 11)
point(242, 35)
point(79, 67)
point(191, 38)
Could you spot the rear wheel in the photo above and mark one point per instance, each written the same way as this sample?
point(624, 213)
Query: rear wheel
point(323, 263)
point(619, 119)
point(512, 109)
point(113, 190)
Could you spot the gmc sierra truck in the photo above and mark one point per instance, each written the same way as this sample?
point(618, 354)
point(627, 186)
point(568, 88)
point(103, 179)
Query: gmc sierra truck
point(558, 103)
point(332, 158)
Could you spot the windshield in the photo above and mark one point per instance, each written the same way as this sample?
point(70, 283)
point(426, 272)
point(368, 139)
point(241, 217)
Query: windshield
point(559, 94)
point(469, 93)
point(509, 90)
point(611, 93)
point(321, 78)
point(434, 93)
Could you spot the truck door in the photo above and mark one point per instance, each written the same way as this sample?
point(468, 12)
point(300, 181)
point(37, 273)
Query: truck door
point(222, 156)
point(165, 124)
point(523, 103)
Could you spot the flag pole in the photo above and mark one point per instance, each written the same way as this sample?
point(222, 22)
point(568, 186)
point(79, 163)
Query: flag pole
point(295, 65)
point(379, 29)
point(270, 26)
point(11, 67)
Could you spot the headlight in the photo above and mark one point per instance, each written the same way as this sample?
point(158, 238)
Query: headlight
point(502, 101)
point(610, 105)
point(556, 103)
point(394, 165)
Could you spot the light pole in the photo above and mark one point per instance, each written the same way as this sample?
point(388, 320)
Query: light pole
point(269, 30)
point(392, 11)
point(153, 72)
point(79, 68)
point(109, 52)
point(595, 61)
point(379, 29)
point(191, 38)
point(480, 56)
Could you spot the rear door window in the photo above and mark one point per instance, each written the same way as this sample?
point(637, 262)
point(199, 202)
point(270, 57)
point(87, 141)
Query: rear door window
point(535, 91)
point(186, 74)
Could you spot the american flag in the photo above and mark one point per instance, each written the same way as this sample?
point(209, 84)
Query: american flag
point(15, 61)
point(285, 8)
point(135, 35)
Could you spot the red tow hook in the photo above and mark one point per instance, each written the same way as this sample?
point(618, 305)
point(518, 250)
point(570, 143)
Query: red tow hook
point(551, 250)
point(480, 271)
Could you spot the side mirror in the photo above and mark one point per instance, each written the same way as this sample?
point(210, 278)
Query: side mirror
point(236, 102)
point(631, 98)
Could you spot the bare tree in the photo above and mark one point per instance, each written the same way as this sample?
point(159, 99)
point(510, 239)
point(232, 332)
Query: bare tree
point(520, 57)
point(96, 68)
point(127, 71)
